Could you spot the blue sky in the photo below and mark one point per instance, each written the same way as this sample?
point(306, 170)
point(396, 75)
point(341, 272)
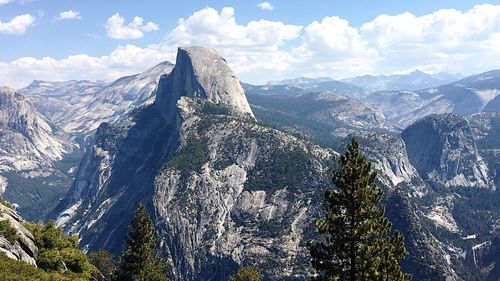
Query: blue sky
point(262, 41)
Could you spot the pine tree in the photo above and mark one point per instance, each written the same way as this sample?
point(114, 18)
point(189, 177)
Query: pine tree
point(355, 243)
point(140, 261)
point(104, 262)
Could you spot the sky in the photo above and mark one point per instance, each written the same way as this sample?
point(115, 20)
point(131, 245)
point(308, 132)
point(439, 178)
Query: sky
point(262, 41)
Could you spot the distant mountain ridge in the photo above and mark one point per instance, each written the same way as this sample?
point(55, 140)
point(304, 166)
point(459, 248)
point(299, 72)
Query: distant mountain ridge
point(30, 149)
point(300, 81)
point(324, 116)
point(467, 96)
point(304, 85)
point(415, 80)
point(79, 107)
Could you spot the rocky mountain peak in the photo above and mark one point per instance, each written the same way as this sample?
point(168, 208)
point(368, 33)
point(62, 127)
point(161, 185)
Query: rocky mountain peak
point(201, 72)
point(29, 141)
point(16, 112)
point(442, 149)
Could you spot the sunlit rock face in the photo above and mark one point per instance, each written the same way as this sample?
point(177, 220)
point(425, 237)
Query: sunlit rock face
point(443, 150)
point(28, 142)
point(24, 248)
point(223, 190)
point(202, 73)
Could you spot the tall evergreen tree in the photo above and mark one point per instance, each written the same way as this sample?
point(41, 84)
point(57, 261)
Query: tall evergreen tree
point(355, 243)
point(105, 264)
point(140, 262)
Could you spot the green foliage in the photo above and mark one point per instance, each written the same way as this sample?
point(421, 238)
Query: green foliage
point(12, 270)
point(49, 236)
point(59, 253)
point(283, 167)
point(36, 196)
point(6, 204)
point(294, 115)
point(8, 231)
point(104, 263)
point(476, 210)
point(140, 262)
point(190, 157)
point(246, 273)
point(355, 243)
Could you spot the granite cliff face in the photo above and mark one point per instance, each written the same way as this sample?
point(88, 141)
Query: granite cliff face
point(388, 153)
point(202, 73)
point(23, 248)
point(31, 152)
point(29, 143)
point(223, 190)
point(247, 196)
point(486, 131)
point(443, 150)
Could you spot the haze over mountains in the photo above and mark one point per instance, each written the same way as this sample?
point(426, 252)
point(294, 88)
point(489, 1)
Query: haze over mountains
point(233, 174)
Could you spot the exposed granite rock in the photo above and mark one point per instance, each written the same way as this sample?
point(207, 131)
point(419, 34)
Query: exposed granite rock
point(428, 257)
point(24, 248)
point(443, 150)
point(388, 153)
point(251, 201)
point(79, 107)
point(29, 144)
point(201, 72)
point(223, 190)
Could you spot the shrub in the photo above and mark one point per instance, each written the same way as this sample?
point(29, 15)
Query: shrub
point(8, 231)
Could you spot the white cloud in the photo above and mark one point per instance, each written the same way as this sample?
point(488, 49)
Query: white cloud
point(69, 15)
point(265, 6)
point(255, 46)
point(117, 29)
point(17, 25)
point(210, 27)
point(446, 40)
point(334, 36)
point(22, 2)
point(124, 60)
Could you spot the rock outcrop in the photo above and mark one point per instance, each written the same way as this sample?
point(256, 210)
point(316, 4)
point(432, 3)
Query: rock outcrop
point(202, 73)
point(388, 153)
point(28, 142)
point(23, 248)
point(443, 150)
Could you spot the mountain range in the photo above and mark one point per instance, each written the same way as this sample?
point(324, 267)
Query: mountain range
point(233, 174)
point(470, 95)
point(79, 107)
point(415, 80)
